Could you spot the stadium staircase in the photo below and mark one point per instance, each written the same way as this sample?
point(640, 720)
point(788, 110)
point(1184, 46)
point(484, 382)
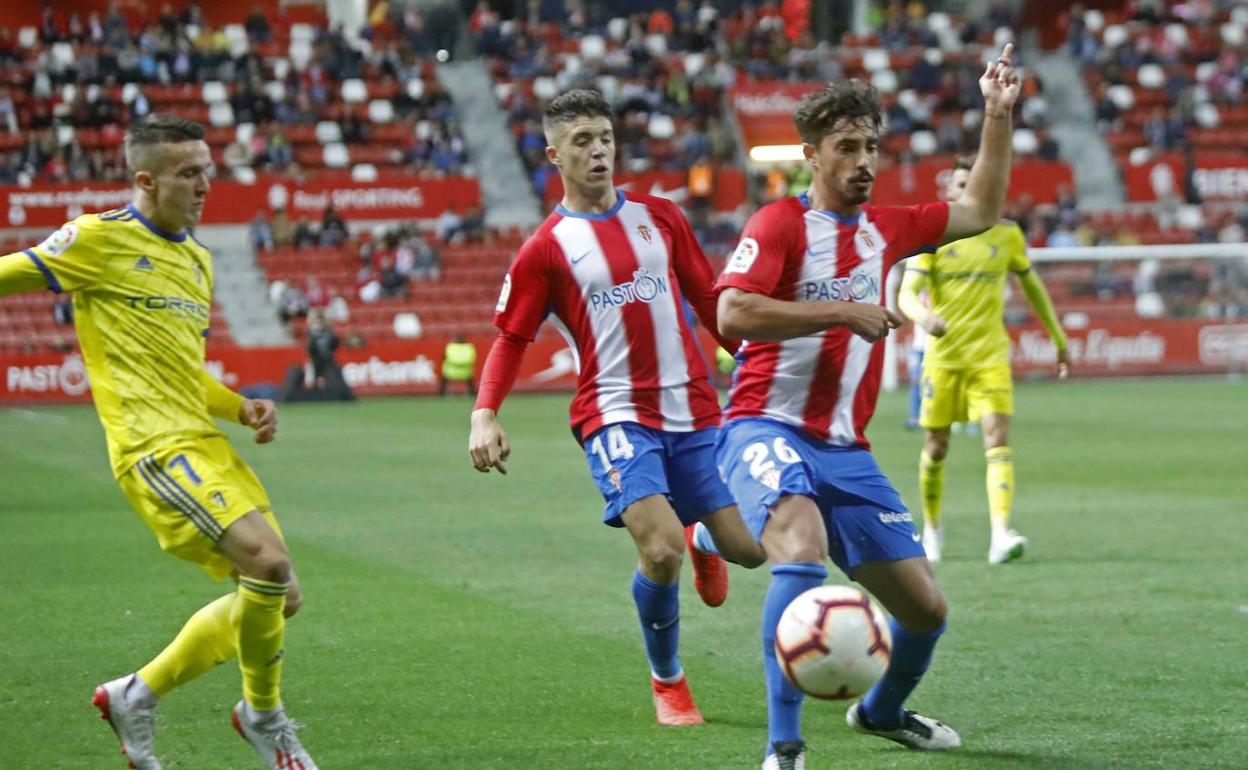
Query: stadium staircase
point(505, 191)
point(1074, 126)
point(241, 289)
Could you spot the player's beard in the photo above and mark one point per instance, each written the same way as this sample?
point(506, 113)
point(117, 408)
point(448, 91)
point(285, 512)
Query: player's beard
point(855, 193)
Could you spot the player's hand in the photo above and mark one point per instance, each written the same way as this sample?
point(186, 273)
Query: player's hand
point(1000, 84)
point(260, 414)
point(871, 322)
point(487, 442)
point(1063, 363)
point(935, 325)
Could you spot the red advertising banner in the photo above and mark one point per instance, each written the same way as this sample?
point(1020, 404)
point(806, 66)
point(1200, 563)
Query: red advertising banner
point(1133, 347)
point(729, 186)
point(378, 369)
point(765, 113)
point(1218, 176)
point(1117, 348)
point(230, 202)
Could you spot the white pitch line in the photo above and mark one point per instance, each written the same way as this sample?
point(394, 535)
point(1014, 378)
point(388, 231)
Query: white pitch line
point(33, 416)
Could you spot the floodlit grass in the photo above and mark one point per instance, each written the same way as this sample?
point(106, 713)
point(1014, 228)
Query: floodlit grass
point(460, 620)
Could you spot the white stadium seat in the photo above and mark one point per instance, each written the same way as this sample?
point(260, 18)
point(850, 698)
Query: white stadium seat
point(1151, 76)
point(885, 81)
point(661, 126)
point(354, 91)
point(381, 111)
point(875, 59)
point(1025, 142)
point(407, 326)
point(363, 172)
point(328, 132)
point(214, 91)
point(415, 88)
point(593, 47)
point(336, 156)
point(923, 143)
point(275, 90)
point(221, 114)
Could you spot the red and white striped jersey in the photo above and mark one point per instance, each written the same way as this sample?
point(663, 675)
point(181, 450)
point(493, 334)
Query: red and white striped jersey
point(826, 383)
point(613, 285)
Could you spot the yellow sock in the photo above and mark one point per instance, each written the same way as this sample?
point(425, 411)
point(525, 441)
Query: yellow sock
point(206, 641)
point(261, 630)
point(1000, 478)
point(931, 488)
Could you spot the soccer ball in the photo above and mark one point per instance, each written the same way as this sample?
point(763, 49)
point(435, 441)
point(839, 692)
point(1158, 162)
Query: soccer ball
point(833, 642)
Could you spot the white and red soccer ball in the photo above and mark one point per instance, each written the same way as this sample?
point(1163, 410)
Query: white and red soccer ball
point(833, 642)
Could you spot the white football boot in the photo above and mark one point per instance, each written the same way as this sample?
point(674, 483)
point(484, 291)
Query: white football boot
point(135, 725)
point(788, 755)
point(1006, 546)
point(933, 543)
point(916, 731)
point(273, 739)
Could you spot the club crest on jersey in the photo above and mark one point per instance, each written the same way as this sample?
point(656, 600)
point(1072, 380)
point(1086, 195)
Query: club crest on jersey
point(644, 287)
point(743, 258)
point(644, 232)
point(56, 243)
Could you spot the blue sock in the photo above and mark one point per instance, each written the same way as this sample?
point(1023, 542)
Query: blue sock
point(658, 608)
point(916, 399)
point(784, 700)
point(702, 539)
point(912, 653)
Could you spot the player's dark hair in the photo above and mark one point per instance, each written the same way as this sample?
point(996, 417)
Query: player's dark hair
point(821, 112)
point(567, 107)
point(159, 128)
point(963, 162)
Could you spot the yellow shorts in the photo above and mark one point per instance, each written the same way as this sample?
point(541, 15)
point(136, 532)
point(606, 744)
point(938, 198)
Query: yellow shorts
point(189, 493)
point(959, 395)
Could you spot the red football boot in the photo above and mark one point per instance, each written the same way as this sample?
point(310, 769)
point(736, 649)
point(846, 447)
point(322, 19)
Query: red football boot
point(673, 703)
point(710, 573)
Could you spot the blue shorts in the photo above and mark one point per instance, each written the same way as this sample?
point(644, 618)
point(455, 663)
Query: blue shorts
point(630, 462)
point(764, 460)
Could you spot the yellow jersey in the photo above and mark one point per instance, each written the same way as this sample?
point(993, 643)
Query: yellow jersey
point(966, 286)
point(142, 299)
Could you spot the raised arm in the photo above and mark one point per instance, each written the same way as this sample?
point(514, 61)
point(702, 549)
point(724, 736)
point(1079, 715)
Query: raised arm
point(980, 206)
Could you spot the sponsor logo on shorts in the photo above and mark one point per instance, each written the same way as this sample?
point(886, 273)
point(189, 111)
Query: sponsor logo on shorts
point(887, 517)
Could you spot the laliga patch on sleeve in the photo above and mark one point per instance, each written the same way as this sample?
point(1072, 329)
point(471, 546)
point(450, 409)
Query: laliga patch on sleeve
point(504, 295)
point(56, 243)
point(743, 258)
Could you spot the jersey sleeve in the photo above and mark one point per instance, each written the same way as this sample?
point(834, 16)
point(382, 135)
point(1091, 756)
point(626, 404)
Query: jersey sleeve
point(525, 296)
point(72, 257)
point(1016, 243)
point(921, 263)
point(693, 271)
point(758, 261)
point(915, 229)
point(19, 273)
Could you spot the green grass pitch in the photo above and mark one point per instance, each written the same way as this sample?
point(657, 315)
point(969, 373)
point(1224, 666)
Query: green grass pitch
point(460, 620)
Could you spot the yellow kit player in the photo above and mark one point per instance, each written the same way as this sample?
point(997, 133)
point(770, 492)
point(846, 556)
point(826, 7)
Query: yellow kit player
point(966, 370)
point(142, 290)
